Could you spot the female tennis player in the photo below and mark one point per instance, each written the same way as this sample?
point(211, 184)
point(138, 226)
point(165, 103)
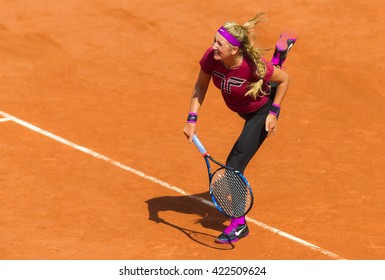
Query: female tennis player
point(251, 86)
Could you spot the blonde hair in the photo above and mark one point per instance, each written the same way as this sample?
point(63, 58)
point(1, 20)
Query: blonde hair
point(245, 34)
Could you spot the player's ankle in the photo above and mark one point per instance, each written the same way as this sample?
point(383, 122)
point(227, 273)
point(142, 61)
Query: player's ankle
point(238, 221)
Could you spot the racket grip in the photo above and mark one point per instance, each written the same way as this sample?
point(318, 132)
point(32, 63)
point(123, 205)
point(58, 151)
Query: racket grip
point(199, 145)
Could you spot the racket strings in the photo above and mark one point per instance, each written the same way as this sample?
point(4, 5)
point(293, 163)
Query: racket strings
point(231, 192)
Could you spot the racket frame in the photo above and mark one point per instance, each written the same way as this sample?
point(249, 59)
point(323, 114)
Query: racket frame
point(207, 157)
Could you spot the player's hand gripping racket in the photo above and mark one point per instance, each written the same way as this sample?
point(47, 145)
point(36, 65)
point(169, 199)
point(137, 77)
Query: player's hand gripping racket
point(229, 189)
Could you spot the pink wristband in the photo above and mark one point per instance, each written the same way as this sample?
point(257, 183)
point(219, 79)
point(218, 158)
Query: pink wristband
point(273, 113)
point(192, 117)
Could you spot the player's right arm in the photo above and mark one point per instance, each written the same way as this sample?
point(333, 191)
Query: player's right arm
point(197, 98)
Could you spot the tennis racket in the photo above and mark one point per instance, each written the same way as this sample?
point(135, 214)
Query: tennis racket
point(229, 190)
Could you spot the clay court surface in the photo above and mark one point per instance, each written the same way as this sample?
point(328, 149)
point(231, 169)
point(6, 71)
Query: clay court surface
point(94, 164)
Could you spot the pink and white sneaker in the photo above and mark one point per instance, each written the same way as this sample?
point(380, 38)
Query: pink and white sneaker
point(283, 46)
point(235, 231)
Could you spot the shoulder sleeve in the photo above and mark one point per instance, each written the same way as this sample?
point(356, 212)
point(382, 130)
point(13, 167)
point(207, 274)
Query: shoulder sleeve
point(208, 62)
point(269, 70)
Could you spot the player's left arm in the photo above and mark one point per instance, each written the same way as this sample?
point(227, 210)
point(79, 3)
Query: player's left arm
point(282, 79)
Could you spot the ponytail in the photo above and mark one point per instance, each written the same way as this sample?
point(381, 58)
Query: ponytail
point(245, 34)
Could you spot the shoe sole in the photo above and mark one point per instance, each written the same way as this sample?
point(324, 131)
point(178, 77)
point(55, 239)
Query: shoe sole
point(283, 46)
point(286, 42)
point(230, 241)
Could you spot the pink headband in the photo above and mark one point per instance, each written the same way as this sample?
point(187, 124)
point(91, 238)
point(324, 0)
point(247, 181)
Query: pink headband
point(230, 38)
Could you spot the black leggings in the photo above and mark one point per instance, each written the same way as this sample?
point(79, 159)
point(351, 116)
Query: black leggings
point(251, 138)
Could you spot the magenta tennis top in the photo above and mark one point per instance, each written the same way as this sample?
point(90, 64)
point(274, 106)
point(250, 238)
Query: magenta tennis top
point(234, 83)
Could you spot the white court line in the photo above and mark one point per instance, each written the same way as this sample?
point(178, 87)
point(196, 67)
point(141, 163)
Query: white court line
point(162, 183)
point(4, 119)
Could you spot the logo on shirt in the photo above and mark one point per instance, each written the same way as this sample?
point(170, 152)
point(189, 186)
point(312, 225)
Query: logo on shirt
point(227, 84)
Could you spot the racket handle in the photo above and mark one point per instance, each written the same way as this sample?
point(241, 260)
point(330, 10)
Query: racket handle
point(199, 145)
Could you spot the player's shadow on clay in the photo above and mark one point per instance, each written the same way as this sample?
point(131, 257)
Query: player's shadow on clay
point(210, 217)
